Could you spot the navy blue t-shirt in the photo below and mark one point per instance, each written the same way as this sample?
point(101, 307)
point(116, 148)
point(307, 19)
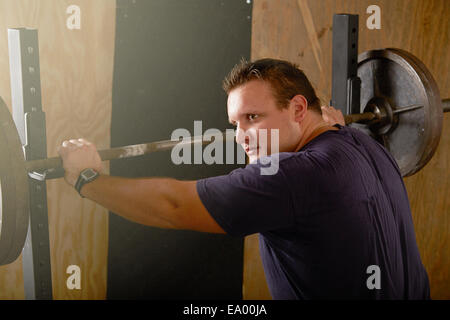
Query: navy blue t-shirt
point(334, 221)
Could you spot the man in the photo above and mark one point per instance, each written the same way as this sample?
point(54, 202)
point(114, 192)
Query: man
point(334, 220)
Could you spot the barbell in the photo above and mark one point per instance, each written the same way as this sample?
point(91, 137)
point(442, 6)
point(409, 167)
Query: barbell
point(400, 107)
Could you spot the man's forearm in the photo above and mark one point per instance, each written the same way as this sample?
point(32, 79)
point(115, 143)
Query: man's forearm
point(148, 201)
point(159, 202)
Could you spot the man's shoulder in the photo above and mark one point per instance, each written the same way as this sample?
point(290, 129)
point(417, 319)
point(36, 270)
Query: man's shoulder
point(279, 165)
point(317, 154)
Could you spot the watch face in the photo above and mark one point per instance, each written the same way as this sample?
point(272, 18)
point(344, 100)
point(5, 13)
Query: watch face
point(88, 174)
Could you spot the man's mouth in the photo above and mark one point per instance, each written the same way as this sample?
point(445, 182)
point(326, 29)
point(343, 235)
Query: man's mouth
point(249, 151)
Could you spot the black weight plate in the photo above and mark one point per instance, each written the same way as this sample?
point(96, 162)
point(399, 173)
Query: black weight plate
point(14, 208)
point(401, 79)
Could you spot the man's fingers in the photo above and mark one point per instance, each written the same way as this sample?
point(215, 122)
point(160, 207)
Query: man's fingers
point(84, 141)
point(72, 144)
point(75, 143)
point(332, 115)
point(325, 113)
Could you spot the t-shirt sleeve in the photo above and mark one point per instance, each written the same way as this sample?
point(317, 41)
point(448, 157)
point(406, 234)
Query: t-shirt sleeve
point(244, 201)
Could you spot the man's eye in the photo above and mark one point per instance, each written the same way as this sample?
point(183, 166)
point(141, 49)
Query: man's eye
point(252, 117)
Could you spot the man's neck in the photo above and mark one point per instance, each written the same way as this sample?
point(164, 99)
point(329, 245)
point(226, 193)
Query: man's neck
point(313, 128)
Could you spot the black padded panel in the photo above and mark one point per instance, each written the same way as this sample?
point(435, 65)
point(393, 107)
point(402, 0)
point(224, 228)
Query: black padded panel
point(170, 59)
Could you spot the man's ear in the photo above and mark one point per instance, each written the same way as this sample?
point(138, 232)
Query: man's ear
point(300, 106)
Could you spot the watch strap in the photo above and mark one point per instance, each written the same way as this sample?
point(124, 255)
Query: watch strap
point(81, 181)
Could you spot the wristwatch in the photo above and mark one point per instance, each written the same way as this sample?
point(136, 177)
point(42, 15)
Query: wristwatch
point(86, 176)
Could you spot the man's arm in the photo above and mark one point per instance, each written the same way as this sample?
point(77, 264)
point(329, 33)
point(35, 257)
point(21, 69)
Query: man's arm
point(159, 202)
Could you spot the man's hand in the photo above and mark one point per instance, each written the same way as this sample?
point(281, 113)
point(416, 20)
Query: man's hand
point(77, 155)
point(332, 116)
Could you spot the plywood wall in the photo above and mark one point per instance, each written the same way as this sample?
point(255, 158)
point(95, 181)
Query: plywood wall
point(301, 31)
point(76, 78)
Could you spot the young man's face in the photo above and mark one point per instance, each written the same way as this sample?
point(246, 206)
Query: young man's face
point(252, 107)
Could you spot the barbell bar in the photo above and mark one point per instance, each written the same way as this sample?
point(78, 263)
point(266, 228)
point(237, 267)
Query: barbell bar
point(136, 150)
point(52, 165)
point(378, 115)
point(446, 105)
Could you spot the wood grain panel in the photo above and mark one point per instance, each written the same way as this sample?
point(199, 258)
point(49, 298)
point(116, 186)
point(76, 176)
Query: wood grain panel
point(300, 31)
point(76, 78)
point(254, 284)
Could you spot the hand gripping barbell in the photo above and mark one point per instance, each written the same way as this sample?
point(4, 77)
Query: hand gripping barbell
point(400, 107)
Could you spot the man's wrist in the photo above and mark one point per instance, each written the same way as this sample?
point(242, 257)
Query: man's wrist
point(86, 176)
point(71, 178)
point(85, 190)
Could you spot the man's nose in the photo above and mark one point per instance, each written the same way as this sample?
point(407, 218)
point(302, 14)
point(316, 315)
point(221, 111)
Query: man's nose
point(241, 138)
point(245, 137)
